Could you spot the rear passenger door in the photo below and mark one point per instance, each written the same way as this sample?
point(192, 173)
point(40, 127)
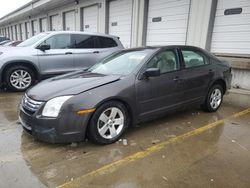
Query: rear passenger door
point(197, 74)
point(89, 49)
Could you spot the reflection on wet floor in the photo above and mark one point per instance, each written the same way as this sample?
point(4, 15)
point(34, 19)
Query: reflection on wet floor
point(218, 157)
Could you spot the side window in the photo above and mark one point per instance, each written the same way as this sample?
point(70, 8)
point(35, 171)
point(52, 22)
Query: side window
point(166, 61)
point(83, 41)
point(105, 42)
point(59, 41)
point(193, 58)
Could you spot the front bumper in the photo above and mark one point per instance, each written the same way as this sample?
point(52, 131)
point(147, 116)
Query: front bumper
point(68, 127)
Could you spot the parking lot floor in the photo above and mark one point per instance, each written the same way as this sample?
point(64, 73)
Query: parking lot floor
point(188, 148)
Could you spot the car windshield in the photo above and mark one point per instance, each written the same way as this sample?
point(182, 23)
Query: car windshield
point(122, 63)
point(32, 40)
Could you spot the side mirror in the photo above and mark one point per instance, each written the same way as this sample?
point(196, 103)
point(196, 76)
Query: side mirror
point(44, 47)
point(152, 72)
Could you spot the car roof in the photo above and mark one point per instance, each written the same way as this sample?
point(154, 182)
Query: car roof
point(81, 32)
point(163, 47)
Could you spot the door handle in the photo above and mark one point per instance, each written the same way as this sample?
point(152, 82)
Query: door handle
point(210, 71)
point(176, 79)
point(68, 53)
point(96, 52)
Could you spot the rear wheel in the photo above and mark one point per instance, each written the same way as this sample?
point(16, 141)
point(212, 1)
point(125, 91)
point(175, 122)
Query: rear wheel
point(108, 123)
point(214, 98)
point(19, 78)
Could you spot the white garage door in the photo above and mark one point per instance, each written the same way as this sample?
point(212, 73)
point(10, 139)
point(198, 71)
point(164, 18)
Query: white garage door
point(120, 20)
point(70, 21)
point(35, 27)
point(167, 22)
point(231, 32)
point(90, 19)
point(28, 31)
point(23, 31)
point(14, 32)
point(54, 23)
point(43, 24)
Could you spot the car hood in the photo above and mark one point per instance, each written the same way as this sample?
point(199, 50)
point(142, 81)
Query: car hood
point(69, 84)
point(10, 50)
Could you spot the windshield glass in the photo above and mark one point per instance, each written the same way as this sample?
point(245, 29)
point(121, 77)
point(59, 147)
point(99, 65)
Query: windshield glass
point(32, 40)
point(122, 63)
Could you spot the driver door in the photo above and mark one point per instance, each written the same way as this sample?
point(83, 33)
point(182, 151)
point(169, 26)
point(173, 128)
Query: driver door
point(158, 94)
point(59, 58)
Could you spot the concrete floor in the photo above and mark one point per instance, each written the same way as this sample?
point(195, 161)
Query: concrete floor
point(184, 149)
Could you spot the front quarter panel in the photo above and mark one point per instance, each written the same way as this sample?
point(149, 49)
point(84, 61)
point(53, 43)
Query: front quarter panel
point(122, 90)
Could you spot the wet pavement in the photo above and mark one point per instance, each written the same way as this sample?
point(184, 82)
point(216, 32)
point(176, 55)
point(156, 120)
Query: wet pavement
point(194, 153)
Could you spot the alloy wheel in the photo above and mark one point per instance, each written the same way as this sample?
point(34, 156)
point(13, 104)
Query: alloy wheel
point(110, 123)
point(20, 79)
point(215, 98)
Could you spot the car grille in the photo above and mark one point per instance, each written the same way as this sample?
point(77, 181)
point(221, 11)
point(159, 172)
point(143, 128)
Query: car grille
point(29, 105)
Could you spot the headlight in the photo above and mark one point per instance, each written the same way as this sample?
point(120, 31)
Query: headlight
point(53, 106)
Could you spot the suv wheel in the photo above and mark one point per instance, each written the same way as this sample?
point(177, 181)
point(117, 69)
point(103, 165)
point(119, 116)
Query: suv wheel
point(19, 78)
point(214, 98)
point(108, 123)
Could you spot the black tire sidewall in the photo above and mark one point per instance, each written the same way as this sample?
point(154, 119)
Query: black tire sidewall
point(13, 69)
point(208, 105)
point(93, 133)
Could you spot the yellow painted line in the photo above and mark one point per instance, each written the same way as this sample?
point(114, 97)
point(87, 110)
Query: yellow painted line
point(142, 154)
point(81, 112)
point(242, 113)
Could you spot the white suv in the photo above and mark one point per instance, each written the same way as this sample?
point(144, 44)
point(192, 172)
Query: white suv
point(53, 53)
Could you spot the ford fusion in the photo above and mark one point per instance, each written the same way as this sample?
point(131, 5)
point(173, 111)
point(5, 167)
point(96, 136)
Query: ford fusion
point(124, 89)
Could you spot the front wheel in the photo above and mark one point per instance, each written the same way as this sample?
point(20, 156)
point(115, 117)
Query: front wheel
point(108, 123)
point(214, 99)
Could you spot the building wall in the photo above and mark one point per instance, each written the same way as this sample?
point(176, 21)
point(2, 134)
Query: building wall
point(203, 17)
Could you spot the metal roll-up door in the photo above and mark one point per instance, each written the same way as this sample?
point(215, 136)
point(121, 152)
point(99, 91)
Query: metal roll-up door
point(70, 21)
point(28, 32)
point(54, 23)
point(167, 22)
point(35, 27)
point(43, 24)
point(120, 20)
point(23, 32)
point(231, 33)
point(90, 18)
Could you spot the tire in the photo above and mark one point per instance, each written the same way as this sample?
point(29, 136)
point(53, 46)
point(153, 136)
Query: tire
point(103, 128)
point(214, 99)
point(27, 78)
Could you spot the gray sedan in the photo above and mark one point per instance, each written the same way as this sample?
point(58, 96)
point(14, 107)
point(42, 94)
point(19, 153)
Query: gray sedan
point(126, 88)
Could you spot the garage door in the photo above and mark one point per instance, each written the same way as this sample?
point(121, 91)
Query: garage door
point(54, 23)
point(167, 22)
point(35, 27)
point(70, 21)
point(43, 24)
point(14, 32)
point(28, 32)
point(23, 31)
point(17, 32)
point(231, 32)
point(120, 20)
point(90, 19)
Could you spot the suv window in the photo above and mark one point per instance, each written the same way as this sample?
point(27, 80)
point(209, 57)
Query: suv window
point(61, 41)
point(88, 41)
point(105, 42)
point(193, 58)
point(83, 41)
point(166, 61)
